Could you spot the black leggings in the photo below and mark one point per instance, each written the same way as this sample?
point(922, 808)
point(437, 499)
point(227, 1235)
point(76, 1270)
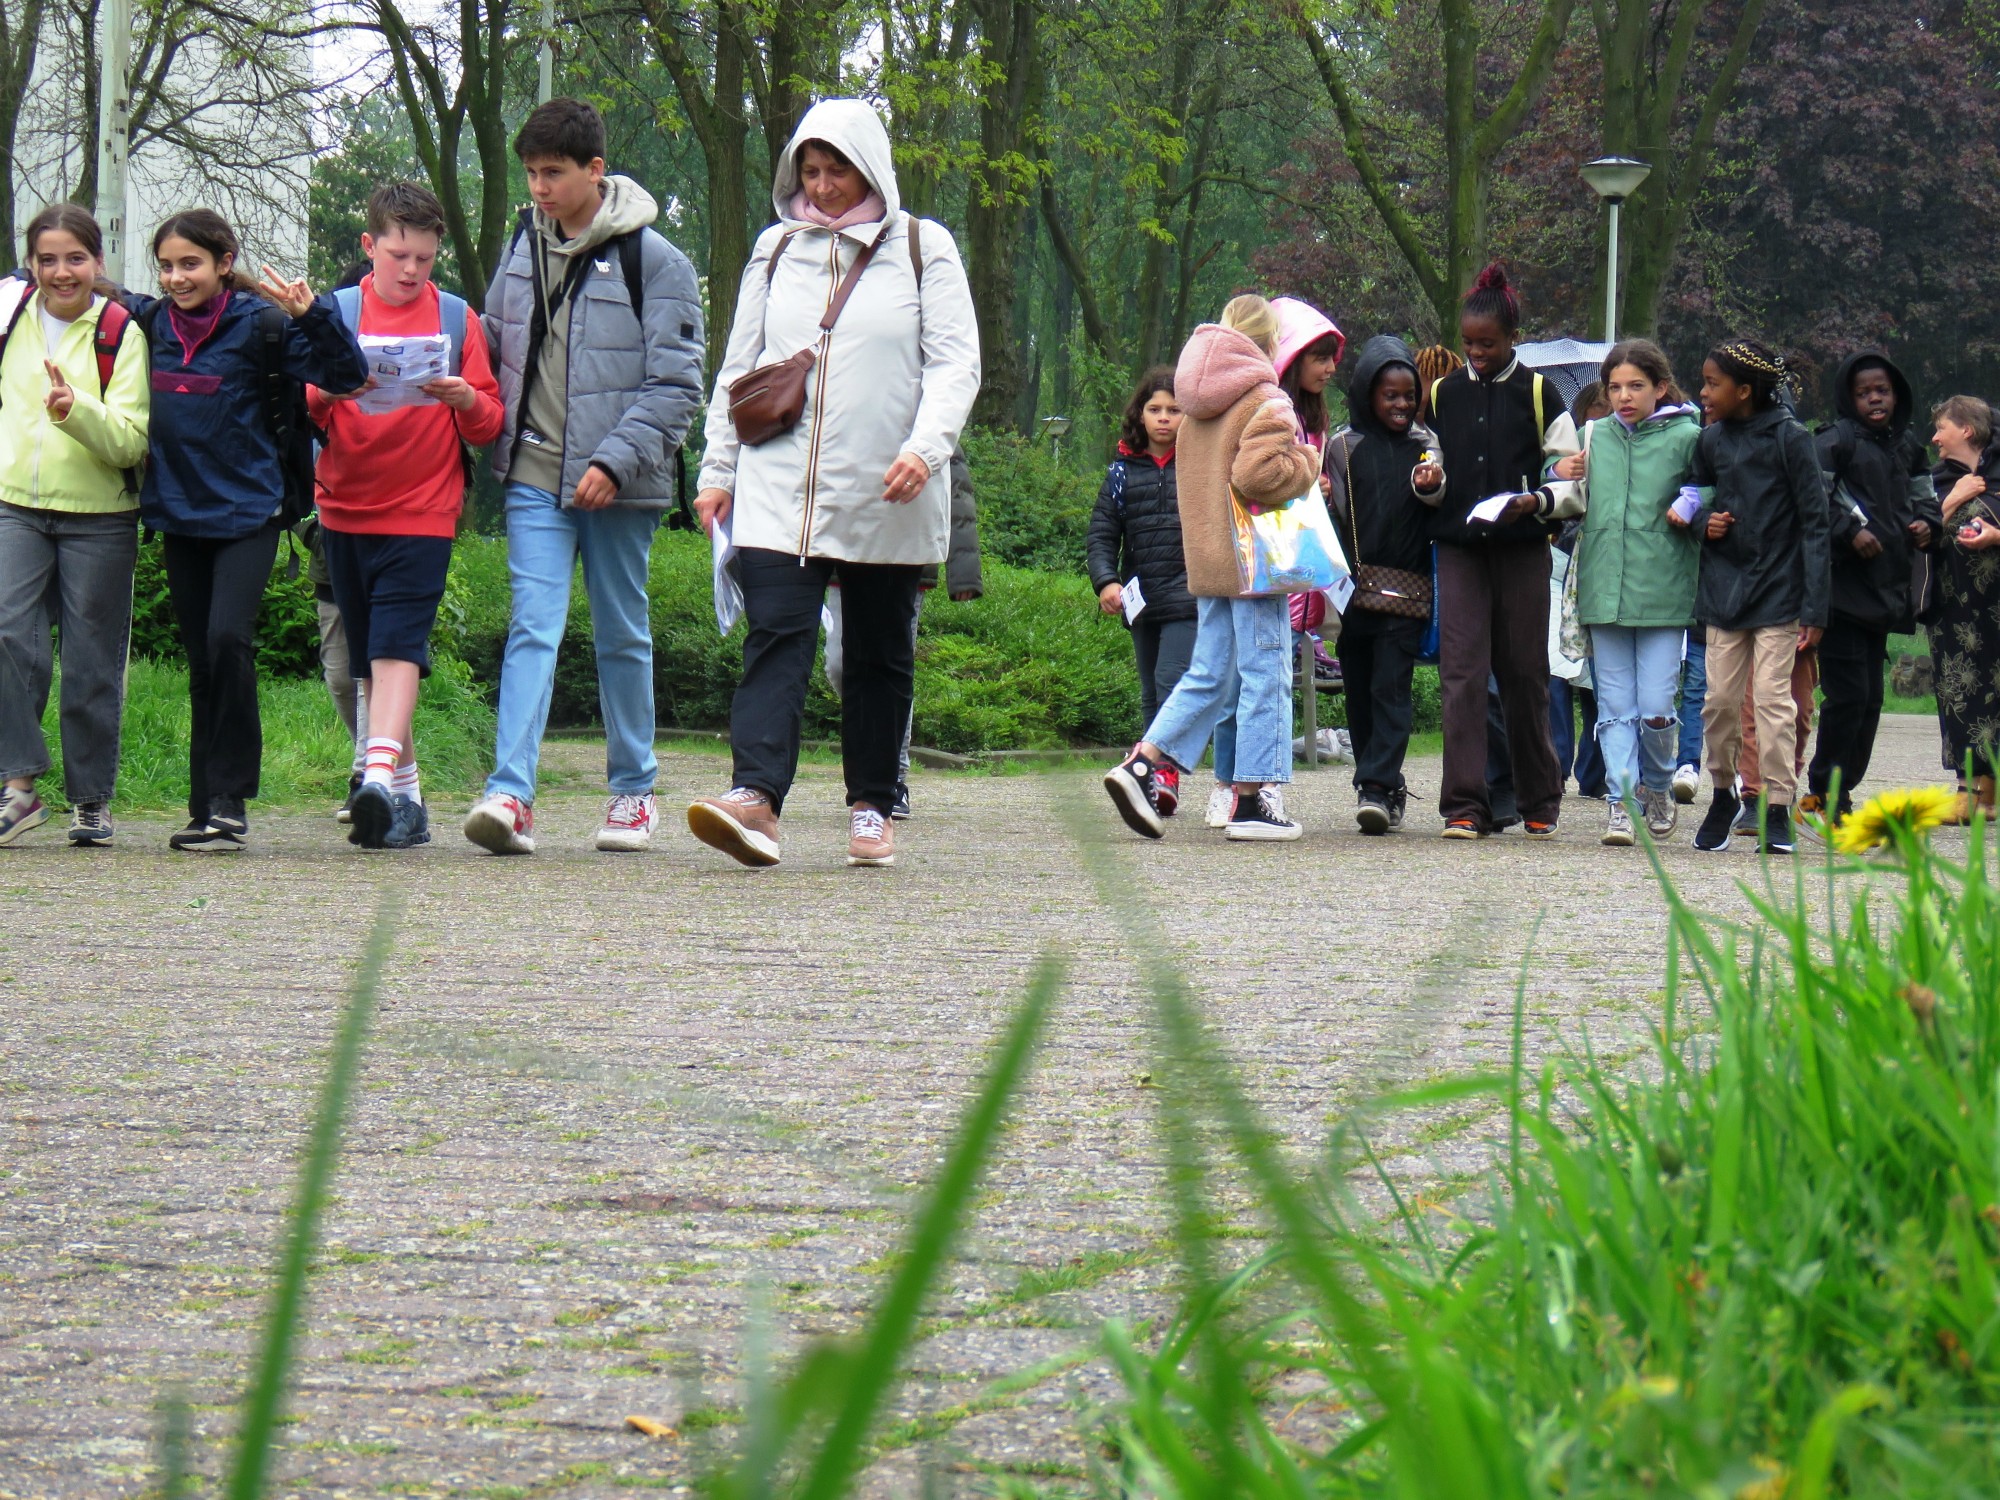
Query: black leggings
point(217, 587)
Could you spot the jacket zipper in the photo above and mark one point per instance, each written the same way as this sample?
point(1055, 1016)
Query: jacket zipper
point(819, 402)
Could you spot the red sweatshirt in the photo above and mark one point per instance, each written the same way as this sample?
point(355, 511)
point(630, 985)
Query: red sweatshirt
point(399, 473)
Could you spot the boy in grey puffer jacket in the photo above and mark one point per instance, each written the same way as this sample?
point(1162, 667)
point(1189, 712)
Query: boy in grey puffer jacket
point(596, 322)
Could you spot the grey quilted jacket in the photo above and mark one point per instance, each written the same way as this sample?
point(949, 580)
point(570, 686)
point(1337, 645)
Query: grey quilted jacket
point(633, 390)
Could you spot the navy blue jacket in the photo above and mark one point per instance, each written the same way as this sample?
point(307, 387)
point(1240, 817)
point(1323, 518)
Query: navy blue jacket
point(212, 469)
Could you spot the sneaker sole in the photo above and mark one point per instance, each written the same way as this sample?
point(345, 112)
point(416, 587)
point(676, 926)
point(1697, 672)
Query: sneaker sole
point(1617, 840)
point(623, 841)
point(1775, 848)
point(372, 815)
point(1263, 833)
point(1685, 795)
point(32, 821)
point(1373, 820)
point(495, 834)
point(214, 843)
point(1540, 836)
point(1461, 833)
point(718, 830)
point(95, 838)
point(1131, 803)
point(870, 861)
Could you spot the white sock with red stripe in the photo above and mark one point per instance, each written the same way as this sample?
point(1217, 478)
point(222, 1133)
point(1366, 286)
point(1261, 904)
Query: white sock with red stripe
point(378, 763)
point(405, 783)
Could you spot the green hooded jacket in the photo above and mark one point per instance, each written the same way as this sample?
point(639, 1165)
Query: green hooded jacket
point(1633, 567)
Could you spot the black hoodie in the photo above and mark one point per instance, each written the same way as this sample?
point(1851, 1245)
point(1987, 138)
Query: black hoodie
point(1770, 568)
point(1882, 471)
point(1388, 523)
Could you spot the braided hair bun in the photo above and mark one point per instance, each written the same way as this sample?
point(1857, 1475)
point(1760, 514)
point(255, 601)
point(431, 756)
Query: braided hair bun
point(1756, 365)
point(1493, 296)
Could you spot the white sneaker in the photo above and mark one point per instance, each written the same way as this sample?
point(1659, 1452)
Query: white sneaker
point(1617, 824)
point(629, 821)
point(1661, 812)
point(1221, 803)
point(1686, 784)
point(501, 824)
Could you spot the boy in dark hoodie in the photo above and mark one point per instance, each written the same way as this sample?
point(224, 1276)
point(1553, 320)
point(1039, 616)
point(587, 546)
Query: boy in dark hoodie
point(1385, 479)
point(1884, 512)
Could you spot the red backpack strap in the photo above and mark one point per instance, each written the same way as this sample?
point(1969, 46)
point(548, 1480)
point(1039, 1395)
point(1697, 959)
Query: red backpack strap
point(111, 325)
point(26, 290)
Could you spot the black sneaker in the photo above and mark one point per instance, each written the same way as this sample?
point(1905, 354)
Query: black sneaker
point(1714, 831)
point(1130, 783)
point(1399, 802)
point(1778, 830)
point(1745, 826)
point(190, 836)
point(90, 825)
point(410, 825)
point(1372, 813)
point(1261, 819)
point(345, 814)
point(900, 808)
point(218, 835)
point(370, 815)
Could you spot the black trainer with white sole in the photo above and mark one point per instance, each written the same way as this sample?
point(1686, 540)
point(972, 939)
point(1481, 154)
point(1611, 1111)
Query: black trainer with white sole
point(370, 815)
point(1261, 819)
point(1130, 784)
point(1713, 835)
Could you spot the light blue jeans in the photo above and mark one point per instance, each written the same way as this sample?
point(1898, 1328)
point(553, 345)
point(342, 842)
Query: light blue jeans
point(544, 540)
point(1694, 688)
point(1242, 662)
point(1638, 671)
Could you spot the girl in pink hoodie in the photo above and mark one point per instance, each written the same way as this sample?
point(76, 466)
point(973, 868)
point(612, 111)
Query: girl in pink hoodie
point(1240, 436)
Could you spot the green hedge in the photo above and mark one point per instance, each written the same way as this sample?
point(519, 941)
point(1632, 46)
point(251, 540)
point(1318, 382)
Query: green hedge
point(1030, 665)
point(1033, 510)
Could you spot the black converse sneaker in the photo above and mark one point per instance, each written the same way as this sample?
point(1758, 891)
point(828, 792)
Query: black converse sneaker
point(1136, 795)
point(1715, 828)
point(1778, 829)
point(1261, 818)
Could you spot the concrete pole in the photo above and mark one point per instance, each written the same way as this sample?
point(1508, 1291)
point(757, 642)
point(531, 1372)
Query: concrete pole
point(114, 134)
point(546, 87)
point(1611, 281)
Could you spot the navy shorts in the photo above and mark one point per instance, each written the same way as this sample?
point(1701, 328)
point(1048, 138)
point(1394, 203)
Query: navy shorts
point(388, 589)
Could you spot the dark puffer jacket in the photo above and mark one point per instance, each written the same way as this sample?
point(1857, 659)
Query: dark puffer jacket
point(1882, 470)
point(1135, 529)
point(1771, 566)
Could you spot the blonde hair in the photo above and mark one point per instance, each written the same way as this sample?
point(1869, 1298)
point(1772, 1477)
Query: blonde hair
point(1254, 318)
point(1969, 412)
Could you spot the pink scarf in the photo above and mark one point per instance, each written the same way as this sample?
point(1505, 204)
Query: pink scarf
point(869, 210)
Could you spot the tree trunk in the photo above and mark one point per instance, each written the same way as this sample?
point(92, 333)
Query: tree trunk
point(19, 41)
point(1008, 93)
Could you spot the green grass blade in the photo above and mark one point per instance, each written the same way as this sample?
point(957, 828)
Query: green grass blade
point(874, 1365)
point(266, 1391)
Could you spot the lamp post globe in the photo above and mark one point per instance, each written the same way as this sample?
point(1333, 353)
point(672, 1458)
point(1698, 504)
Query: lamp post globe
point(1614, 179)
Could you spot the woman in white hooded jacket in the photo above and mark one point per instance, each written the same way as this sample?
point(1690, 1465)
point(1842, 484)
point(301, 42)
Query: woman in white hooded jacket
point(858, 491)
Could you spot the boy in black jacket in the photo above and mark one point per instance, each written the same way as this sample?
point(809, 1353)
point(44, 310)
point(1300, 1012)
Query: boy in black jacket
point(1385, 475)
point(1884, 511)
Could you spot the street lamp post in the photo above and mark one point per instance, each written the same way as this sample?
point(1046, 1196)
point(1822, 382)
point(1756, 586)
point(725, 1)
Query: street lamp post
point(1614, 179)
point(114, 132)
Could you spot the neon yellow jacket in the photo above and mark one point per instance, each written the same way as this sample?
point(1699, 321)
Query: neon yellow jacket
point(80, 463)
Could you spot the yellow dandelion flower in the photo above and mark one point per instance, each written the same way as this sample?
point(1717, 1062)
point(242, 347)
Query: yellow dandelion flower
point(1916, 810)
point(1773, 1481)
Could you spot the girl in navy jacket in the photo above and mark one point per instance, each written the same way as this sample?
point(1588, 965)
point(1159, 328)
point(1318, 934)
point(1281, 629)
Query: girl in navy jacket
point(217, 478)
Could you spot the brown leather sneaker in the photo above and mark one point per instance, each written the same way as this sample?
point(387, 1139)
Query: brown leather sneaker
point(741, 823)
point(871, 839)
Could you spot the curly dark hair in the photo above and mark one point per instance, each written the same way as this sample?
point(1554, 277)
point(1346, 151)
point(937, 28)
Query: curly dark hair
point(1132, 428)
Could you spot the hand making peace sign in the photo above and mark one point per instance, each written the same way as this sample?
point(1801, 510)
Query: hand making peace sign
point(60, 397)
point(293, 296)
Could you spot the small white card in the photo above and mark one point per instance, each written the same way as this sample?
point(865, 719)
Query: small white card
point(1489, 509)
point(1135, 599)
point(1339, 592)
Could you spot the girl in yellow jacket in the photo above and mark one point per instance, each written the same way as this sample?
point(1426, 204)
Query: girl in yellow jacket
point(75, 388)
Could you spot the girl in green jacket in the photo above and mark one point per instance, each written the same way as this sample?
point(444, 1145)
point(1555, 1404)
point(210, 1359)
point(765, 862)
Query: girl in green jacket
point(75, 389)
point(1635, 577)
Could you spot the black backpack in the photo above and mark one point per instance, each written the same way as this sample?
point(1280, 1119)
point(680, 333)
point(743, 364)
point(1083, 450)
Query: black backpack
point(289, 421)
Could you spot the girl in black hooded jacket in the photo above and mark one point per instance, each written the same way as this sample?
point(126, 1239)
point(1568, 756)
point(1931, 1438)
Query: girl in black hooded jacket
point(1135, 534)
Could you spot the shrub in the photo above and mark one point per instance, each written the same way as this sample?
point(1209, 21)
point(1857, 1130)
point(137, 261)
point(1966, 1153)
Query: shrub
point(287, 625)
point(1033, 509)
point(306, 749)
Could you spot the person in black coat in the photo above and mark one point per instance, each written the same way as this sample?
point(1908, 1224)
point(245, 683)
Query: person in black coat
point(1135, 537)
point(1884, 513)
point(1385, 478)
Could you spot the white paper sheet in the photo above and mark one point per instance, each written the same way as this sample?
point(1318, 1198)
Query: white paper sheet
point(728, 587)
point(401, 367)
point(1135, 599)
point(1489, 509)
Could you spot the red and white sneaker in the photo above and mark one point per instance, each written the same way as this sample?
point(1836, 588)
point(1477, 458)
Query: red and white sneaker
point(629, 821)
point(501, 824)
point(1167, 790)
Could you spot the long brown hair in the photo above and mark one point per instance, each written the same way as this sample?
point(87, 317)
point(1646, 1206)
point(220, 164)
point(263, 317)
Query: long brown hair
point(1132, 428)
point(206, 229)
point(1310, 405)
point(1649, 359)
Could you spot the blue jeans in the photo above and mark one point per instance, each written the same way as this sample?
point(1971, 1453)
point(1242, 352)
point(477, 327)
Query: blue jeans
point(1225, 748)
point(1694, 688)
point(1242, 662)
point(543, 542)
point(1637, 672)
point(1575, 756)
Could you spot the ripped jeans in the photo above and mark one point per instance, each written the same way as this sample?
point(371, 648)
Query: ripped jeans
point(1638, 672)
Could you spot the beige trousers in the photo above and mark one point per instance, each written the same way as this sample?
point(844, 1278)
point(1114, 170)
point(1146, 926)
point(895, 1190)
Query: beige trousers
point(1762, 661)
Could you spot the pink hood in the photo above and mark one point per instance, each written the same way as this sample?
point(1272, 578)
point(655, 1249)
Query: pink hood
point(1218, 367)
point(1300, 324)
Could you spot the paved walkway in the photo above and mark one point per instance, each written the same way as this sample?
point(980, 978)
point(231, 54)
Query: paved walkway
point(613, 1100)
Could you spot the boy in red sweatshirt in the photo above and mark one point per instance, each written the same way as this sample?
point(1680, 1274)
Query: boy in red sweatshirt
point(391, 486)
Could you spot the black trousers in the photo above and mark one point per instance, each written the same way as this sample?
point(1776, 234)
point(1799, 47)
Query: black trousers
point(216, 588)
point(782, 595)
point(1163, 650)
point(1378, 659)
point(1852, 660)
